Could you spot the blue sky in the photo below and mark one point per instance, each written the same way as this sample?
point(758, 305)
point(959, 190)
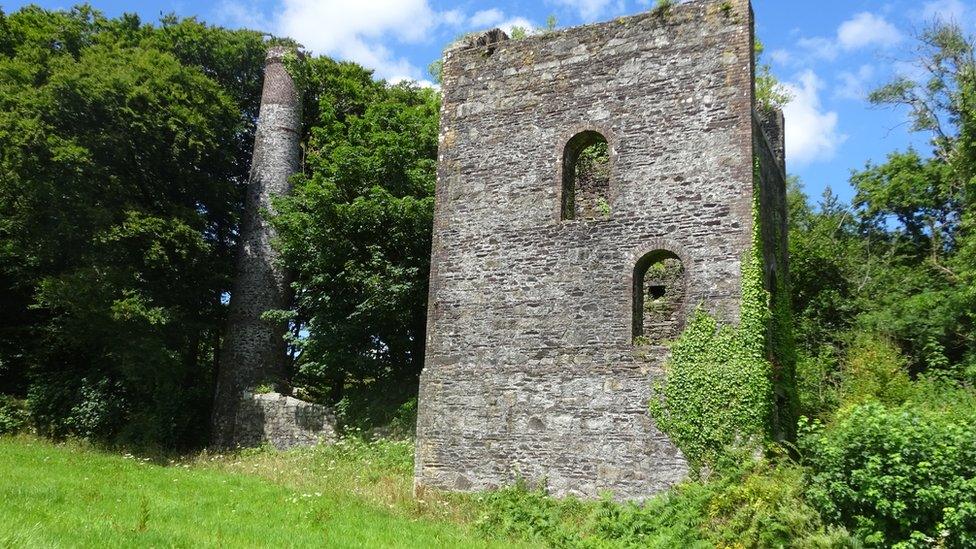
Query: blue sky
point(828, 53)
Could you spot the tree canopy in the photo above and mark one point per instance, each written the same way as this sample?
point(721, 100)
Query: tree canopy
point(124, 148)
point(899, 261)
point(357, 229)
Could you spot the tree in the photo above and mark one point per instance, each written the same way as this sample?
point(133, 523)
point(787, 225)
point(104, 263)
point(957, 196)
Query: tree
point(900, 262)
point(357, 230)
point(770, 94)
point(932, 203)
point(124, 149)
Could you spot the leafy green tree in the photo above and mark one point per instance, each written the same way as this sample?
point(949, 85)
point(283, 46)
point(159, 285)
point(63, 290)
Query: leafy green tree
point(923, 211)
point(123, 152)
point(770, 94)
point(357, 230)
point(821, 241)
point(899, 261)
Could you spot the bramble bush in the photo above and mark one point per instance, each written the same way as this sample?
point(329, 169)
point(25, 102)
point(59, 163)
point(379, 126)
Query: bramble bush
point(902, 476)
point(818, 381)
point(874, 369)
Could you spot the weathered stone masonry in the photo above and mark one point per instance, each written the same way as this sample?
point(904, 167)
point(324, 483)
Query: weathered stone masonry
point(253, 350)
point(534, 363)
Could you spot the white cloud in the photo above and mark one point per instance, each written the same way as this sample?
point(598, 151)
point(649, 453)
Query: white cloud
point(521, 22)
point(587, 9)
point(487, 18)
point(422, 83)
point(455, 18)
point(780, 56)
point(854, 85)
point(866, 29)
point(368, 32)
point(819, 47)
point(861, 31)
point(238, 15)
point(495, 18)
point(811, 133)
point(356, 30)
point(947, 11)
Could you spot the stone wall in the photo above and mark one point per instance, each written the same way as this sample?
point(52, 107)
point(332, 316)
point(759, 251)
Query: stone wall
point(770, 150)
point(531, 367)
point(772, 201)
point(282, 421)
point(774, 129)
point(253, 350)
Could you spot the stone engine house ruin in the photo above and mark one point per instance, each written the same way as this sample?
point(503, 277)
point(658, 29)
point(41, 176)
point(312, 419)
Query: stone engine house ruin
point(555, 287)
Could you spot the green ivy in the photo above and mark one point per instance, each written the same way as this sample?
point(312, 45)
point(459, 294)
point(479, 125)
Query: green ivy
point(729, 386)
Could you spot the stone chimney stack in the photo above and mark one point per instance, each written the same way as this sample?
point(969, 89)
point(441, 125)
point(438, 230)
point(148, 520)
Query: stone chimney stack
point(253, 350)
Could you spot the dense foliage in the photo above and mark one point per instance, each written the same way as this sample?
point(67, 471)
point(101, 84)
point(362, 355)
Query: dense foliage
point(900, 260)
point(904, 474)
point(756, 506)
point(123, 150)
point(357, 232)
point(885, 296)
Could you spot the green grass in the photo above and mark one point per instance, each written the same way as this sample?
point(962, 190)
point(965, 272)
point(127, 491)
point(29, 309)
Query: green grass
point(353, 495)
point(359, 494)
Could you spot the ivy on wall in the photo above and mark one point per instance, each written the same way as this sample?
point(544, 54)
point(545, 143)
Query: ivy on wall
point(727, 386)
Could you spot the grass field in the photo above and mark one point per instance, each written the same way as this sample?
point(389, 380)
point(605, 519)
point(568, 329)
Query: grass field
point(351, 495)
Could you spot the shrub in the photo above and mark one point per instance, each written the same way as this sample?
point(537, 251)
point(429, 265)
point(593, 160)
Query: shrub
point(13, 415)
point(404, 422)
point(87, 408)
point(875, 370)
point(529, 514)
point(902, 476)
point(663, 7)
point(764, 506)
point(817, 383)
point(760, 505)
point(385, 407)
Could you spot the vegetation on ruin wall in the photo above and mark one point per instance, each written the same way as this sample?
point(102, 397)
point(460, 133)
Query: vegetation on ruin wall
point(718, 394)
point(730, 387)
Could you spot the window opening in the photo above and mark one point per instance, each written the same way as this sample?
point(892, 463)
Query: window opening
point(586, 177)
point(659, 293)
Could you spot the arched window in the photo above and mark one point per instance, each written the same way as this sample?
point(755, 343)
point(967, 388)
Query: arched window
point(586, 177)
point(659, 294)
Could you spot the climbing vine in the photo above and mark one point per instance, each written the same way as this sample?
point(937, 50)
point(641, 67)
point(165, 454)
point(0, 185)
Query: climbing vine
point(729, 386)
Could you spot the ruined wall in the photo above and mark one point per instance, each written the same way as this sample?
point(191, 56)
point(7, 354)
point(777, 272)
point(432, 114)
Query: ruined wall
point(774, 128)
point(282, 421)
point(253, 351)
point(531, 365)
point(770, 155)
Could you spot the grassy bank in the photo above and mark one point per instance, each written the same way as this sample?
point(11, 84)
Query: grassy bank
point(358, 494)
point(70, 495)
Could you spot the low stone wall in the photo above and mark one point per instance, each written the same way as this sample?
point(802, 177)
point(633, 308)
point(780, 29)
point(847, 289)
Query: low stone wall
point(282, 421)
